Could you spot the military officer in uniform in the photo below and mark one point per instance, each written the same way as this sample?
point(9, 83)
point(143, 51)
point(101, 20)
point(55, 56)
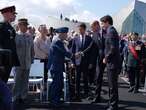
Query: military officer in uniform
point(7, 40)
point(25, 51)
point(112, 60)
point(134, 61)
point(57, 54)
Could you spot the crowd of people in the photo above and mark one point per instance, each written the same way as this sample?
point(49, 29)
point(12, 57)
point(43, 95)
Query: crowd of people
point(90, 54)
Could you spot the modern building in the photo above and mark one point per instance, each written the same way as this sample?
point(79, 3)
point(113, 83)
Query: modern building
point(132, 18)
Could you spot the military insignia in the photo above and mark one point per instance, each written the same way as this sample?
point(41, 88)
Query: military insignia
point(11, 34)
point(10, 31)
point(138, 47)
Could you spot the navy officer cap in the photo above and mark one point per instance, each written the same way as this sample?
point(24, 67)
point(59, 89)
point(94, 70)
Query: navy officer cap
point(62, 30)
point(8, 9)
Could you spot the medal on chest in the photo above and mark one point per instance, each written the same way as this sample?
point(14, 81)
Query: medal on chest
point(138, 47)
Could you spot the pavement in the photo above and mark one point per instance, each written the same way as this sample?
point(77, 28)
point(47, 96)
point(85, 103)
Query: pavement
point(127, 101)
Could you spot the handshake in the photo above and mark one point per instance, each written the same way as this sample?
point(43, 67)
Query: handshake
point(79, 54)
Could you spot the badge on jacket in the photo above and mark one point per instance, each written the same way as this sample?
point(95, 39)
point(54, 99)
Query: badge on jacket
point(138, 47)
point(11, 34)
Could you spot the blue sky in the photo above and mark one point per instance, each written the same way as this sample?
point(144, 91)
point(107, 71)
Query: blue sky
point(83, 10)
point(102, 7)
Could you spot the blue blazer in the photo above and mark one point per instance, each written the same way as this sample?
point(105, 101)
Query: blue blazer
point(57, 54)
point(77, 44)
point(112, 51)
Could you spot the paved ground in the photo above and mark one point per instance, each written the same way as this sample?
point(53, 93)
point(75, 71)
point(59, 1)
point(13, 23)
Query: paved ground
point(128, 101)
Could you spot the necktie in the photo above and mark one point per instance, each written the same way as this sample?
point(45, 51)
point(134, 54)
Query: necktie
point(82, 45)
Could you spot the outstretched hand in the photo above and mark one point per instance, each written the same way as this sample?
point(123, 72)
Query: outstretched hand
point(77, 55)
point(104, 61)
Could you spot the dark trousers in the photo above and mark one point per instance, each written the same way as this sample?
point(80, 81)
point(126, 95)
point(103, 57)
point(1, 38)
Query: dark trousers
point(143, 74)
point(84, 70)
point(5, 97)
point(56, 87)
point(113, 88)
point(5, 73)
point(99, 78)
point(45, 61)
point(91, 74)
point(134, 75)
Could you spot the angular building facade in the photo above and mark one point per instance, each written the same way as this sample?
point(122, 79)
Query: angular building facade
point(131, 18)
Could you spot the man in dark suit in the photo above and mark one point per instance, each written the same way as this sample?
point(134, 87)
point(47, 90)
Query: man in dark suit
point(112, 60)
point(57, 54)
point(135, 54)
point(81, 44)
point(97, 57)
point(7, 40)
point(94, 51)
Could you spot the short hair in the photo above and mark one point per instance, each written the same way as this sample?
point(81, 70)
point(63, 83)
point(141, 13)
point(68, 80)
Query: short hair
point(41, 26)
point(135, 33)
point(83, 25)
point(108, 19)
point(95, 22)
point(51, 28)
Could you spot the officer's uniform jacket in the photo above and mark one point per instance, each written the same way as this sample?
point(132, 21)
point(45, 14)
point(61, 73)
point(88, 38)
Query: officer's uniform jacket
point(57, 54)
point(25, 50)
point(7, 41)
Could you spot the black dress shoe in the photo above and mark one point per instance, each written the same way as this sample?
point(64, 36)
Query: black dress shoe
point(96, 100)
point(86, 95)
point(23, 101)
point(131, 89)
point(19, 100)
point(111, 108)
point(52, 105)
point(77, 99)
point(59, 105)
point(135, 91)
point(16, 101)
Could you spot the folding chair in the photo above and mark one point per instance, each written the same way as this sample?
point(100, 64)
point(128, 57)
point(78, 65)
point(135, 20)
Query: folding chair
point(36, 76)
